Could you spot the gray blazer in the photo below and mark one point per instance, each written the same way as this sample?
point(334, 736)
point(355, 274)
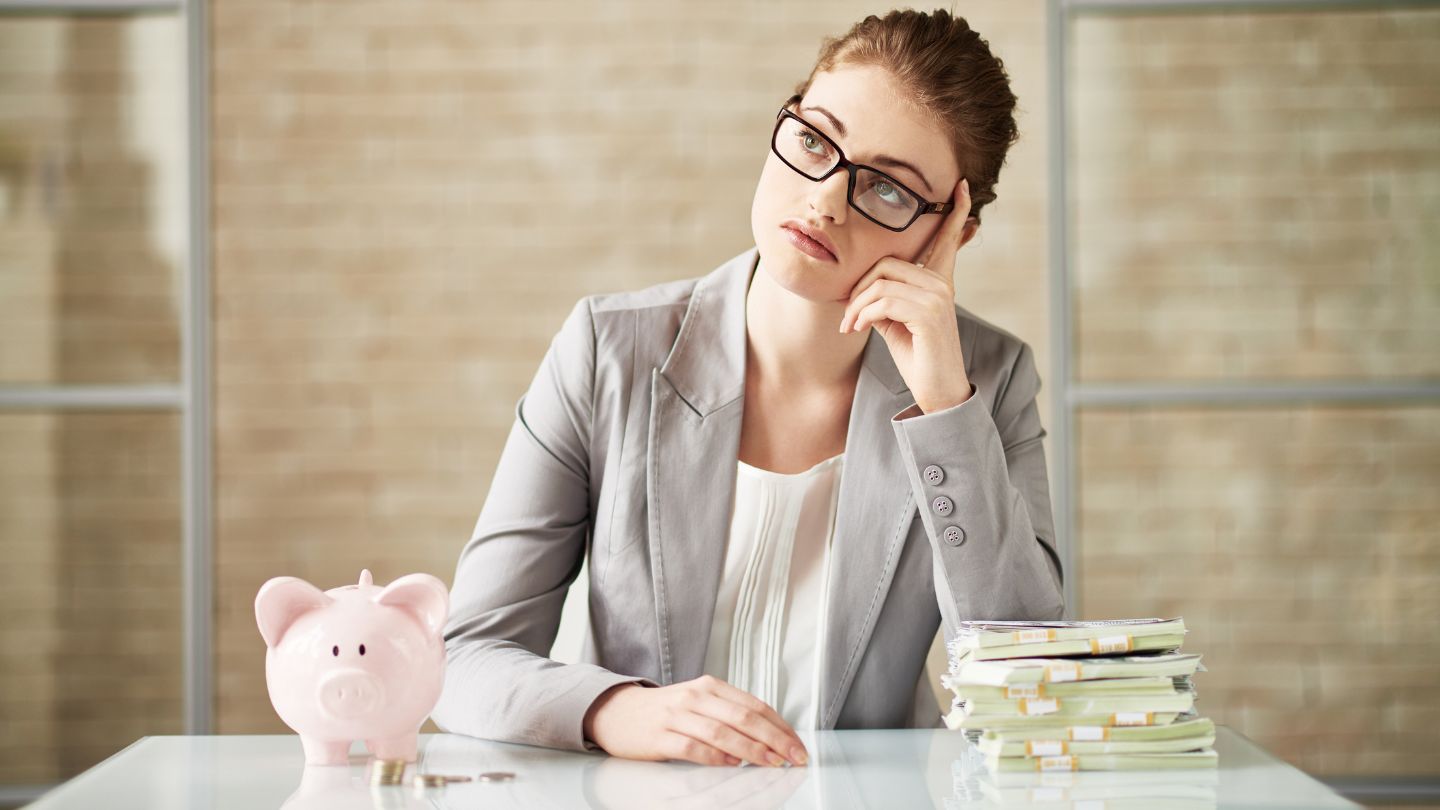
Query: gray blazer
point(624, 449)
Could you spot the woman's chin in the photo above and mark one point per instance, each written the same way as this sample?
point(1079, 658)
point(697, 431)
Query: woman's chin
point(802, 276)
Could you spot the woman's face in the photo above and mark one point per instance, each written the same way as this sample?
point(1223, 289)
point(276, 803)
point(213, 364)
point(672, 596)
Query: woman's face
point(865, 101)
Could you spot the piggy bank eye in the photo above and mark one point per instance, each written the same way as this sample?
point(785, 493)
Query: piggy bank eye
point(335, 650)
point(362, 649)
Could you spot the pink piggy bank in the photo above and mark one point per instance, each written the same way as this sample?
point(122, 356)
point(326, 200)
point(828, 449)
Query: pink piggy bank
point(354, 663)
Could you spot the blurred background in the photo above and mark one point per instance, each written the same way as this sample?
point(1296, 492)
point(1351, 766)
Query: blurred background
point(273, 274)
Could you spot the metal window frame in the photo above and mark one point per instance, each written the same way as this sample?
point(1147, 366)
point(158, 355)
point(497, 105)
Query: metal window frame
point(192, 396)
point(1071, 396)
point(124, 8)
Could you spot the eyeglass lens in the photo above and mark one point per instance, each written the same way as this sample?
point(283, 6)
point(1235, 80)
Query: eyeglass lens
point(810, 154)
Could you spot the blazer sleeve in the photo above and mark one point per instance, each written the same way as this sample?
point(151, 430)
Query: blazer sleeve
point(995, 553)
point(525, 552)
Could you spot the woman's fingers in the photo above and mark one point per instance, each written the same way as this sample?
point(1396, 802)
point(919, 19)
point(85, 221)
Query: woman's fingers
point(755, 718)
point(903, 271)
point(679, 745)
point(778, 745)
point(889, 309)
point(881, 289)
point(720, 735)
point(939, 254)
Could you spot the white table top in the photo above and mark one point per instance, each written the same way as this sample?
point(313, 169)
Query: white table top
point(881, 769)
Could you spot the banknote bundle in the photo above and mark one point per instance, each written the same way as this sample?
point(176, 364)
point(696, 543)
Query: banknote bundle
point(1078, 696)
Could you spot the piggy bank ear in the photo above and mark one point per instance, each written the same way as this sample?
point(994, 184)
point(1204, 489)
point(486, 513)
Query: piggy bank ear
point(281, 601)
point(422, 596)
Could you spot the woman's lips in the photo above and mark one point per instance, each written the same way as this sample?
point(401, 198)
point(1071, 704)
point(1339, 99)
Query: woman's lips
point(806, 245)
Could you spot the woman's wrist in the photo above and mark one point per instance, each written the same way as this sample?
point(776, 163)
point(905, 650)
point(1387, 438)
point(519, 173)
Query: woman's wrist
point(944, 403)
point(587, 725)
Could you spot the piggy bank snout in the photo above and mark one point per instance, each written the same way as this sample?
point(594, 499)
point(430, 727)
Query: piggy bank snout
point(348, 694)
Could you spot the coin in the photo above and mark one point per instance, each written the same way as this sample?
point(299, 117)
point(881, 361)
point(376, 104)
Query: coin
point(430, 780)
point(387, 771)
point(496, 776)
point(438, 779)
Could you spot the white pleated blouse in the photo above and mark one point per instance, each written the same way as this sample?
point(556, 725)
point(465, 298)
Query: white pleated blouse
point(769, 612)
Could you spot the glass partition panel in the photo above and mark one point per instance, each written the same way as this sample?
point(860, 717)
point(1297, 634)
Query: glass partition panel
point(90, 588)
point(92, 199)
point(1254, 195)
point(1301, 548)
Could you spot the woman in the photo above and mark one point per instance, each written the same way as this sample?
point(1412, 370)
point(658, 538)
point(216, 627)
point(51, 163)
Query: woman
point(787, 473)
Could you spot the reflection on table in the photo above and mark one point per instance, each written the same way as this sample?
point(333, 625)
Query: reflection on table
point(848, 769)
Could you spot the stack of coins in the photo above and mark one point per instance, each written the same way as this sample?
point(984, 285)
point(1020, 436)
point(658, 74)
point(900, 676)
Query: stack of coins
point(387, 772)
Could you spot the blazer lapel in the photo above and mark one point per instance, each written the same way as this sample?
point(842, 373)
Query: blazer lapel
point(874, 515)
point(697, 400)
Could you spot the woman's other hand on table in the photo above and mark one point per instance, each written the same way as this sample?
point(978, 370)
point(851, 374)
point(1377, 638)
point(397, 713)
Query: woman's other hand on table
point(705, 720)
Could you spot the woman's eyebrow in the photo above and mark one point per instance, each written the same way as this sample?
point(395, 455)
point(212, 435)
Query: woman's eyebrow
point(883, 160)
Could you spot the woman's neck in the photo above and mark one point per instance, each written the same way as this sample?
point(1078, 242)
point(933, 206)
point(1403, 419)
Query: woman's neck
point(797, 340)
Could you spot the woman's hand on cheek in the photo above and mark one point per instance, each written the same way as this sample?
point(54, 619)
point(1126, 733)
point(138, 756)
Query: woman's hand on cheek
point(913, 307)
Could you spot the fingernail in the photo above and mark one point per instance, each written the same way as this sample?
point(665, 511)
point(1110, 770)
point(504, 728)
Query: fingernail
point(965, 184)
point(797, 756)
point(775, 759)
point(730, 760)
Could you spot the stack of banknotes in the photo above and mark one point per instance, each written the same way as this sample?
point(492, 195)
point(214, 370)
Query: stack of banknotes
point(1078, 696)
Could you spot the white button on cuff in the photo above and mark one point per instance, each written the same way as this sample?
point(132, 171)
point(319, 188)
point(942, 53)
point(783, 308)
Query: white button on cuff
point(954, 535)
point(934, 475)
point(942, 505)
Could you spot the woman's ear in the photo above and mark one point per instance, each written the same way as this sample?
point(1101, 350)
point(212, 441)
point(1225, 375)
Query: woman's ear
point(968, 232)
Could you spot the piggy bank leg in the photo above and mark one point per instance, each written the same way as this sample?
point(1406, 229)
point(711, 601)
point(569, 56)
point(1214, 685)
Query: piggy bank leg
point(404, 747)
point(325, 752)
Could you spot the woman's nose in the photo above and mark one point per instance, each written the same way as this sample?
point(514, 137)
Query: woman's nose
point(828, 197)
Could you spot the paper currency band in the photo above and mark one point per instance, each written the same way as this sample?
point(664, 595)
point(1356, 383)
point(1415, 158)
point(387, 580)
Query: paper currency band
point(1089, 733)
point(1132, 719)
point(1061, 763)
point(1111, 644)
point(1033, 706)
point(1046, 748)
point(1036, 636)
point(1059, 672)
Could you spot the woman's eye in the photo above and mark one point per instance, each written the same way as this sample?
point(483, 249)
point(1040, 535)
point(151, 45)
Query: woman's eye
point(889, 193)
point(812, 143)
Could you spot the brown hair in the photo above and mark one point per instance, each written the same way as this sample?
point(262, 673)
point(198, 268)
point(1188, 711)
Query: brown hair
point(948, 73)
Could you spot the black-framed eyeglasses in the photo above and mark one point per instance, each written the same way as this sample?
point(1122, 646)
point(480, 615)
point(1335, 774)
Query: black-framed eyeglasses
point(881, 198)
